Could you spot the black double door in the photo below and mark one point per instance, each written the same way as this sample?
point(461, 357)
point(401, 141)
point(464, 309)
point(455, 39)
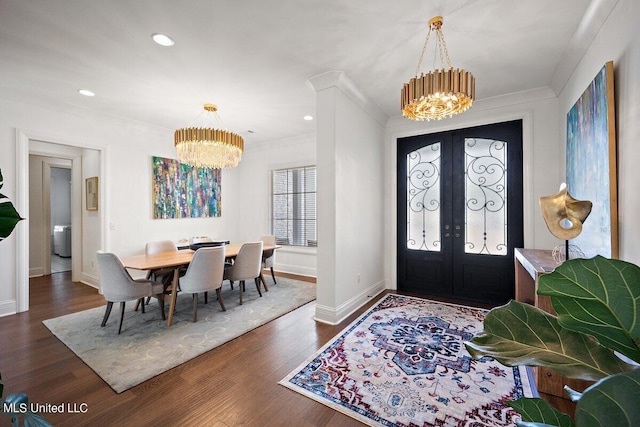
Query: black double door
point(460, 212)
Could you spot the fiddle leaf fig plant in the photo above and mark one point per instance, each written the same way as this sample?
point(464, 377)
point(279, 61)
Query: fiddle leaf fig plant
point(595, 336)
point(9, 217)
point(16, 406)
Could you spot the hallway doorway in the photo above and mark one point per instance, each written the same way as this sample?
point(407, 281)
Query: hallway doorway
point(89, 227)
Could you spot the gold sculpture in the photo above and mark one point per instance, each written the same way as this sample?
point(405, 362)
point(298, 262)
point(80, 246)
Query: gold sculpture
point(561, 207)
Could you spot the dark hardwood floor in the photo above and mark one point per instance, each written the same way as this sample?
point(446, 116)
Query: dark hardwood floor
point(234, 384)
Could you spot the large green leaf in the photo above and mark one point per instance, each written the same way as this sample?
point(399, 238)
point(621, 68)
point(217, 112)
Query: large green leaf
point(9, 217)
point(612, 401)
point(520, 334)
point(29, 418)
point(599, 297)
point(537, 412)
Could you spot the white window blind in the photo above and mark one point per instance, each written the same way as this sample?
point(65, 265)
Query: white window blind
point(293, 206)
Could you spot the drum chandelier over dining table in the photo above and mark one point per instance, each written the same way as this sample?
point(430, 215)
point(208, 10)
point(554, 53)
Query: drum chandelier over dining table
point(209, 147)
point(439, 93)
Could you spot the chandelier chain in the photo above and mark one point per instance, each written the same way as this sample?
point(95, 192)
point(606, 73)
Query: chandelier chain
point(436, 26)
point(424, 48)
point(442, 45)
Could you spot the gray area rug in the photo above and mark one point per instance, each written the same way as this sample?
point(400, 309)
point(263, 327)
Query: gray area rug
point(147, 346)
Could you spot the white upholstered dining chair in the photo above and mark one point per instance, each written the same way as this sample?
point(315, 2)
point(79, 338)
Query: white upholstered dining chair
point(247, 266)
point(204, 274)
point(118, 286)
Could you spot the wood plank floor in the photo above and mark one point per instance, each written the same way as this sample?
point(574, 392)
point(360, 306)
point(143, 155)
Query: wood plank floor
point(234, 384)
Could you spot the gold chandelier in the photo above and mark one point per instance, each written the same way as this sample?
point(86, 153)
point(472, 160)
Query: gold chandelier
point(207, 147)
point(439, 93)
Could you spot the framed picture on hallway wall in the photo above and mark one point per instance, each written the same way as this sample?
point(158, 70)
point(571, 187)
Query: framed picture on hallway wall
point(591, 164)
point(92, 193)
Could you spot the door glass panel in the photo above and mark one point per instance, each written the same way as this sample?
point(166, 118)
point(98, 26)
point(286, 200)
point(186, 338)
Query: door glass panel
point(485, 196)
point(423, 198)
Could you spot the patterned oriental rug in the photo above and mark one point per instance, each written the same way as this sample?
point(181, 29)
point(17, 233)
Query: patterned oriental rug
point(403, 363)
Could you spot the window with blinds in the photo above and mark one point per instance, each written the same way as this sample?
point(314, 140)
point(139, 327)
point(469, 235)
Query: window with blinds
point(293, 206)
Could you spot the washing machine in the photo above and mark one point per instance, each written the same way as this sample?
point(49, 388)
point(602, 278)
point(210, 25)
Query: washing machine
point(62, 240)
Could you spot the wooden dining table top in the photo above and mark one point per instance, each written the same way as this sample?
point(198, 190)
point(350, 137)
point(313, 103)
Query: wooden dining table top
point(177, 258)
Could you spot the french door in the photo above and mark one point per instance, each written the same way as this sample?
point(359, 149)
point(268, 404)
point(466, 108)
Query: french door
point(460, 212)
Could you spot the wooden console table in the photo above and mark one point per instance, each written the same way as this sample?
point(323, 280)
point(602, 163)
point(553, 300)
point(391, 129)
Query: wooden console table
point(530, 264)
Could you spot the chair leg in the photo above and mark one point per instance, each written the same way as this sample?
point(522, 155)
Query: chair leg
point(264, 282)
point(206, 297)
point(257, 280)
point(219, 294)
point(161, 304)
point(121, 317)
point(195, 307)
point(137, 305)
point(107, 313)
point(273, 276)
point(241, 288)
point(142, 304)
point(231, 283)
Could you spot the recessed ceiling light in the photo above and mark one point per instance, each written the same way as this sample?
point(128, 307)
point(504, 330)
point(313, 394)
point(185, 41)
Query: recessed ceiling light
point(308, 117)
point(86, 92)
point(162, 39)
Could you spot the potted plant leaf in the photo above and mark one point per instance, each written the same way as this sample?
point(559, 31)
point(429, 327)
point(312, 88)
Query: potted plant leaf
point(9, 217)
point(17, 407)
point(595, 336)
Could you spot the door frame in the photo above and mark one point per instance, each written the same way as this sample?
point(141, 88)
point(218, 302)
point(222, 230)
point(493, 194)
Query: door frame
point(446, 269)
point(23, 143)
point(530, 204)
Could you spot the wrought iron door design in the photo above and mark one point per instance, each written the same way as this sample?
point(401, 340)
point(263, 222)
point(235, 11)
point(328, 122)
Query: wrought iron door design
point(460, 212)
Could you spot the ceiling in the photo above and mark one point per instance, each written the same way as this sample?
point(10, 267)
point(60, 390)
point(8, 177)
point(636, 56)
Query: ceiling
point(254, 58)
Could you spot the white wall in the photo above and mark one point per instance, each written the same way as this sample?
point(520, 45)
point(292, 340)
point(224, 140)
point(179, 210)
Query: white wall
point(91, 220)
point(542, 146)
point(350, 142)
point(253, 213)
point(617, 41)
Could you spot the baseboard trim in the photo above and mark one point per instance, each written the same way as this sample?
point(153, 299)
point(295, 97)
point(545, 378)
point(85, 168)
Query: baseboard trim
point(297, 270)
point(36, 272)
point(334, 316)
point(90, 280)
point(267, 273)
point(8, 307)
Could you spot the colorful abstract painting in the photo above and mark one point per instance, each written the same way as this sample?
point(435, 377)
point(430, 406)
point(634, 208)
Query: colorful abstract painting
point(182, 191)
point(591, 164)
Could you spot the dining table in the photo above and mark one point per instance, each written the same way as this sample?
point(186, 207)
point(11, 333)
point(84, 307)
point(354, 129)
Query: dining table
point(177, 260)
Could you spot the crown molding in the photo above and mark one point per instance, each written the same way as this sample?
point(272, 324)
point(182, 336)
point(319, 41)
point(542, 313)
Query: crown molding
point(341, 81)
